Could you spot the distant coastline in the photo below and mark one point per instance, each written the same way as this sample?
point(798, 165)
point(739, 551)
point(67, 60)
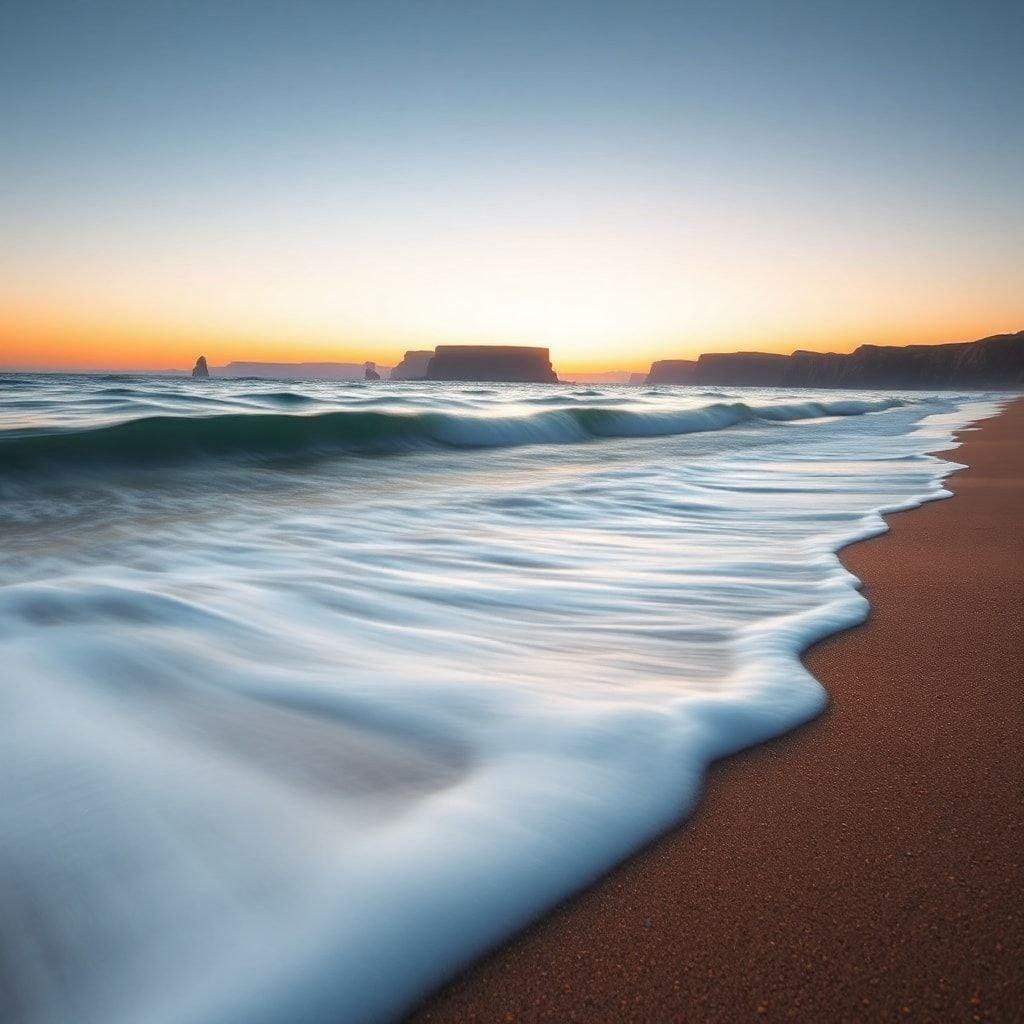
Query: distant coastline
point(994, 362)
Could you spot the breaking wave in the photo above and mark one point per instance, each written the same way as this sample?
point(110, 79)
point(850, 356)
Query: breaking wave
point(258, 436)
point(289, 747)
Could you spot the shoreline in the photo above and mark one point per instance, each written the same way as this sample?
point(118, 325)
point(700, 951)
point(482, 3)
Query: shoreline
point(868, 865)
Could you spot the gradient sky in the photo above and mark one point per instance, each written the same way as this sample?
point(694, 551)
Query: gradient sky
point(619, 181)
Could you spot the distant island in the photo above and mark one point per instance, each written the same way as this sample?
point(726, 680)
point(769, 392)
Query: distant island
point(606, 377)
point(498, 360)
point(994, 362)
point(492, 363)
point(323, 371)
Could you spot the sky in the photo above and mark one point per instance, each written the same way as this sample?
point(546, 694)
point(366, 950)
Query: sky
point(619, 181)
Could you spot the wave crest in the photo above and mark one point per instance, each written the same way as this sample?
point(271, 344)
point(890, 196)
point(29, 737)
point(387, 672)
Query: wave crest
point(262, 436)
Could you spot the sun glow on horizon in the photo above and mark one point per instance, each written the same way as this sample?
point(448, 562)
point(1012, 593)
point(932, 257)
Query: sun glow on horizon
point(42, 344)
point(609, 187)
point(602, 289)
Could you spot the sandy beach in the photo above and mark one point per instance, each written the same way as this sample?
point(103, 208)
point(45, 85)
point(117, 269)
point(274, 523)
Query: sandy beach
point(868, 866)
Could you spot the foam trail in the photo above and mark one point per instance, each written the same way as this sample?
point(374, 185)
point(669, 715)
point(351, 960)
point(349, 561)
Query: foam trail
point(291, 737)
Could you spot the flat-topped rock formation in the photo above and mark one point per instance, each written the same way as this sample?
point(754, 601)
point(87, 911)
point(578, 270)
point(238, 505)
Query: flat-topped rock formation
point(413, 365)
point(994, 362)
point(504, 363)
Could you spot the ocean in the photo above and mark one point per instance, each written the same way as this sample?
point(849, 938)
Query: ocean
point(313, 691)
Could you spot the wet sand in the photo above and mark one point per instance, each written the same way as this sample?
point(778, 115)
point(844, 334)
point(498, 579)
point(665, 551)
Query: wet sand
point(867, 867)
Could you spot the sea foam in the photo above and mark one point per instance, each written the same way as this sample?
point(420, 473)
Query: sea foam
point(294, 738)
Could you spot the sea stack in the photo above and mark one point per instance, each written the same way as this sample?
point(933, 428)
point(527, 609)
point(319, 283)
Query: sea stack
point(370, 372)
point(517, 364)
point(201, 369)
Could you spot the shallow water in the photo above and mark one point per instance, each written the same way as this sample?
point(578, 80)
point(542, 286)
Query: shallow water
point(313, 690)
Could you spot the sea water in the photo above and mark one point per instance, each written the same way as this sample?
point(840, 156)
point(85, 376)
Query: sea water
point(312, 691)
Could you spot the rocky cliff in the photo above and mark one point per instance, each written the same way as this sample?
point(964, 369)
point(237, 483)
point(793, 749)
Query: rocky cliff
point(994, 362)
point(512, 363)
point(413, 365)
point(672, 371)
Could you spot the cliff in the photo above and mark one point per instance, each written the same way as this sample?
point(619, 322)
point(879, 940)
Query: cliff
point(994, 362)
point(510, 363)
point(672, 371)
point(413, 365)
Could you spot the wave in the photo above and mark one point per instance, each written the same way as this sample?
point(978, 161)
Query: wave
point(520, 676)
point(260, 436)
point(287, 399)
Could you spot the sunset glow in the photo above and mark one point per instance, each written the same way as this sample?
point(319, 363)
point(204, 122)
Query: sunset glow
point(470, 545)
point(340, 187)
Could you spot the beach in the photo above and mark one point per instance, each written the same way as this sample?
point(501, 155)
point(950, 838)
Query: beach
point(868, 866)
point(262, 639)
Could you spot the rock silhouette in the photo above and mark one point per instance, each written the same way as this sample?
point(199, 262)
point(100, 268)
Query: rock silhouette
point(201, 369)
point(370, 372)
point(994, 362)
point(413, 365)
point(518, 364)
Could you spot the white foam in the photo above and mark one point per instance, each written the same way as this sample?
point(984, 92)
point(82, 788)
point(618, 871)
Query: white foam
point(300, 752)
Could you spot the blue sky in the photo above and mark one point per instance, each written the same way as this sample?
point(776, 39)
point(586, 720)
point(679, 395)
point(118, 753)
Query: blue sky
point(644, 178)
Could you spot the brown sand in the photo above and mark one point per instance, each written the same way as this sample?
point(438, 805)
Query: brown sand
point(869, 866)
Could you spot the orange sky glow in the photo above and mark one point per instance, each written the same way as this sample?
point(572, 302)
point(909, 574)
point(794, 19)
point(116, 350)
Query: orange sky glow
point(61, 340)
point(619, 187)
point(616, 293)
